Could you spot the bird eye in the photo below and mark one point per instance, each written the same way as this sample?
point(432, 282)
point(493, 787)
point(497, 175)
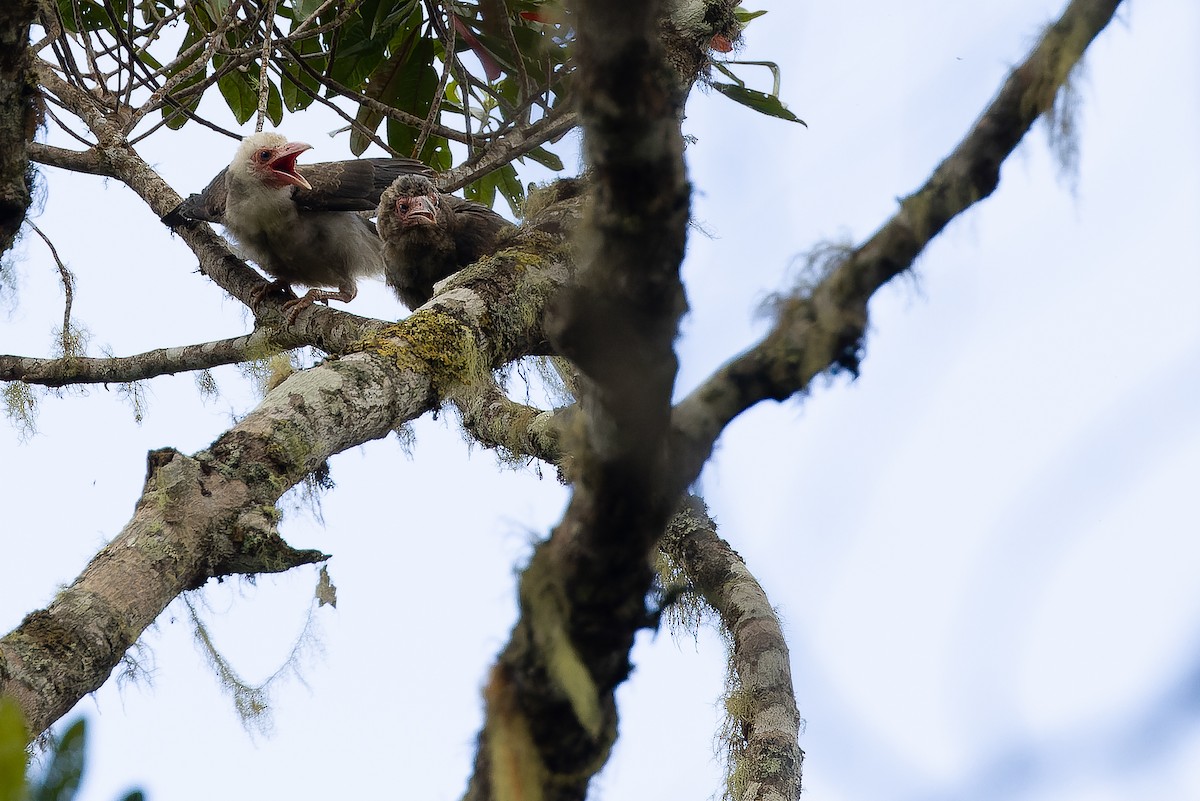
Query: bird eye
point(264, 155)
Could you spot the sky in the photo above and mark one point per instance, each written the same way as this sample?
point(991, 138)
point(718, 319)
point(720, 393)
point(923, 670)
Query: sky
point(983, 549)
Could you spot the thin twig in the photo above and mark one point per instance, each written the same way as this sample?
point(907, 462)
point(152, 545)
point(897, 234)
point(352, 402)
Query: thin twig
point(68, 282)
point(439, 93)
point(370, 103)
point(264, 84)
point(352, 123)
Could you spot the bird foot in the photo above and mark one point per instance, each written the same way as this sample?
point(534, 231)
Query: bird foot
point(292, 308)
point(260, 292)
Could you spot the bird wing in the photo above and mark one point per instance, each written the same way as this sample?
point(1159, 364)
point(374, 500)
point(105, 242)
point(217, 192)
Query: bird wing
point(208, 205)
point(336, 186)
point(352, 185)
point(477, 216)
point(476, 228)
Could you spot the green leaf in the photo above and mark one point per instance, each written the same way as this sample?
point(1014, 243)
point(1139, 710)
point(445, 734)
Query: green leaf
point(306, 8)
point(91, 16)
point(238, 93)
point(149, 60)
point(544, 157)
point(743, 16)
point(411, 89)
point(198, 17)
point(776, 73)
point(174, 117)
point(384, 17)
point(436, 153)
point(482, 190)
point(274, 104)
point(63, 774)
point(388, 83)
point(217, 7)
point(728, 73)
point(503, 180)
point(360, 52)
point(294, 78)
point(510, 187)
point(761, 102)
point(136, 795)
point(12, 751)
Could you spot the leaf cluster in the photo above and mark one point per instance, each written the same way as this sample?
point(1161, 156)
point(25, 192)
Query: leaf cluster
point(417, 78)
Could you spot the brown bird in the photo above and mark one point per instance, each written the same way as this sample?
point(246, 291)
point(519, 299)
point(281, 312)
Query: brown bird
point(428, 235)
point(299, 223)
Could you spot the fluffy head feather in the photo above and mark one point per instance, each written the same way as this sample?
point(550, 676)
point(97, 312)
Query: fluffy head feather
point(269, 158)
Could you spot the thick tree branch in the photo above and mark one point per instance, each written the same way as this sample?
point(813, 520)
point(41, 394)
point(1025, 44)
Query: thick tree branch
point(516, 430)
point(86, 161)
point(824, 328)
point(18, 116)
point(551, 716)
point(213, 513)
point(764, 724)
point(205, 515)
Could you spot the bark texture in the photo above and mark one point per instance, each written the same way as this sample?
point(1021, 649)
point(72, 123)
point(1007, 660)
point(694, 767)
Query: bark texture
point(551, 715)
point(19, 117)
point(763, 724)
point(213, 513)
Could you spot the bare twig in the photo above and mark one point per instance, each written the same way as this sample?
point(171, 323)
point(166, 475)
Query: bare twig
point(264, 84)
point(68, 283)
point(162, 361)
point(511, 147)
point(371, 103)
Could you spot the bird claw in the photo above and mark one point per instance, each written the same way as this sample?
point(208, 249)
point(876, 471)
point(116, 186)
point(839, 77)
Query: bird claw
point(260, 292)
point(292, 309)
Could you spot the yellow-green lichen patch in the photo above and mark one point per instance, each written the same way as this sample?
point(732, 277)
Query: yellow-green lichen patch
point(432, 343)
point(289, 449)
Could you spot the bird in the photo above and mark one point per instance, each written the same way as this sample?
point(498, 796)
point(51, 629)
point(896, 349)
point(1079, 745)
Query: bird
point(428, 235)
point(299, 224)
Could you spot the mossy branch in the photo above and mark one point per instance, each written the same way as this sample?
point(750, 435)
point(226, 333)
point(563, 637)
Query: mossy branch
point(823, 328)
point(161, 361)
point(763, 724)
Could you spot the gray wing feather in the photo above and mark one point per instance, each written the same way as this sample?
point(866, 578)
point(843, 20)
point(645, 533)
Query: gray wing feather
point(336, 186)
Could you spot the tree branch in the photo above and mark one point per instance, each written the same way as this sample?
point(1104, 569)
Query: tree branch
point(212, 513)
point(764, 724)
point(19, 116)
point(510, 147)
point(516, 430)
point(86, 161)
point(824, 328)
point(161, 361)
point(551, 715)
point(201, 516)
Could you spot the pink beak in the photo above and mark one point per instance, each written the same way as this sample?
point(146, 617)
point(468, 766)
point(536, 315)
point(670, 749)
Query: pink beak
point(421, 211)
point(283, 164)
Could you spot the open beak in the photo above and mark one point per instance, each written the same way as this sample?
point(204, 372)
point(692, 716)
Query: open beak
point(284, 164)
